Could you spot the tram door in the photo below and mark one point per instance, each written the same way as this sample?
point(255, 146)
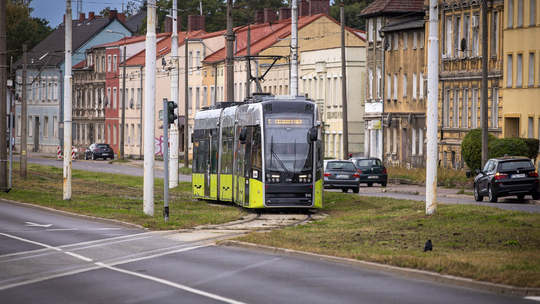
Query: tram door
point(247, 165)
point(239, 183)
point(207, 167)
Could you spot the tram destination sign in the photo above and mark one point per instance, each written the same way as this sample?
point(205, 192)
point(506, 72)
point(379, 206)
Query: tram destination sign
point(288, 121)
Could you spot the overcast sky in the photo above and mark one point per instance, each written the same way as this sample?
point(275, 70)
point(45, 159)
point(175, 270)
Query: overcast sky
point(54, 10)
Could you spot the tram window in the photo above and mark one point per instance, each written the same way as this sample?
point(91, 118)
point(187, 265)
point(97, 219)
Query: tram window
point(256, 154)
point(214, 157)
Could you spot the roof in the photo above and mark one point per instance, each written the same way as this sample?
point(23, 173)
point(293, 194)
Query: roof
point(266, 35)
point(50, 51)
point(135, 22)
point(389, 7)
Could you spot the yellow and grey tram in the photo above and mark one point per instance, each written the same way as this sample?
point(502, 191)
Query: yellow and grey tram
point(262, 153)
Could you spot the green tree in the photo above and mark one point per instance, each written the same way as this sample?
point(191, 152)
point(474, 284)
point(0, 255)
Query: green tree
point(471, 148)
point(22, 28)
point(508, 147)
point(352, 9)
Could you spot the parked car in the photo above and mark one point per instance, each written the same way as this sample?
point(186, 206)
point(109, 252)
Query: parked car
point(371, 170)
point(99, 151)
point(506, 176)
point(341, 174)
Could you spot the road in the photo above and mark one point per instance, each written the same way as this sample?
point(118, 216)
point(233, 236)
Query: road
point(54, 258)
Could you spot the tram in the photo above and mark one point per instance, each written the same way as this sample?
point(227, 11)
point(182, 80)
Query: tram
point(261, 153)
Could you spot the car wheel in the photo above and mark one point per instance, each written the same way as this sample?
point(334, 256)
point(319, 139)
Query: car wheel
point(477, 196)
point(492, 197)
point(85, 157)
point(536, 196)
point(370, 184)
point(344, 190)
point(383, 184)
point(93, 156)
point(520, 196)
point(355, 190)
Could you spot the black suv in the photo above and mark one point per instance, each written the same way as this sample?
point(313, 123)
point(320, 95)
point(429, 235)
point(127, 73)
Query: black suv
point(506, 176)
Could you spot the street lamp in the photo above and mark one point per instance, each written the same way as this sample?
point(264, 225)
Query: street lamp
point(121, 150)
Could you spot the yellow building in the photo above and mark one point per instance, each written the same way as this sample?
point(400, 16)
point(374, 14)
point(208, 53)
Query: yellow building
point(521, 80)
point(460, 74)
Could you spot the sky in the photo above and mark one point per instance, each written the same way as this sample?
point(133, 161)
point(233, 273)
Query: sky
point(54, 10)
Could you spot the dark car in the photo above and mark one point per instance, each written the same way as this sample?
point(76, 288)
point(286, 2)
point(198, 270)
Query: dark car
point(506, 176)
point(99, 151)
point(341, 174)
point(371, 170)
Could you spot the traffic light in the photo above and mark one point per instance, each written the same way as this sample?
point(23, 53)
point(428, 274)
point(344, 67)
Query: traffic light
point(171, 117)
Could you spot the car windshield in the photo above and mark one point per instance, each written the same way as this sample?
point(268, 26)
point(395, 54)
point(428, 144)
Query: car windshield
point(368, 163)
point(102, 146)
point(514, 165)
point(340, 165)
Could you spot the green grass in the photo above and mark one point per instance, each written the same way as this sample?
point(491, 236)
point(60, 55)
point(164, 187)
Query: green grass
point(449, 177)
point(470, 241)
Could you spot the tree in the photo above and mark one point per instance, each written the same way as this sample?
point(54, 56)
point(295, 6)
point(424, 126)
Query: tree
point(471, 148)
point(23, 29)
point(352, 9)
point(508, 147)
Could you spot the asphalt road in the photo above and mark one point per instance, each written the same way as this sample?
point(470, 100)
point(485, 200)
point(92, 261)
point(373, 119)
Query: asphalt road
point(54, 258)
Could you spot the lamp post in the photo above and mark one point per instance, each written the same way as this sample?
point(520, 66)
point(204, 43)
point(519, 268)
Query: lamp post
point(121, 150)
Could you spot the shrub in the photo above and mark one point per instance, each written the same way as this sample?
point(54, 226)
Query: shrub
point(532, 145)
point(510, 146)
point(471, 148)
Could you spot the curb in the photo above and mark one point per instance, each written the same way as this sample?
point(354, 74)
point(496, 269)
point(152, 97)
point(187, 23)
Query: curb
point(411, 273)
point(65, 213)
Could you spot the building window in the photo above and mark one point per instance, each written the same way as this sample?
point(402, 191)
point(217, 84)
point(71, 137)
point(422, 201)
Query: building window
point(455, 109)
point(532, 13)
point(30, 124)
point(395, 86)
point(466, 34)
point(421, 88)
point(190, 61)
point(198, 61)
point(414, 85)
point(448, 37)
point(457, 35)
point(396, 37)
point(378, 29)
point(519, 70)
point(405, 35)
point(510, 13)
point(531, 128)
point(115, 63)
point(495, 108)
point(474, 109)
point(465, 109)
point(205, 96)
point(388, 86)
point(509, 71)
point(109, 61)
point(370, 83)
point(404, 85)
point(114, 134)
point(190, 98)
point(475, 35)
point(495, 33)
point(421, 40)
point(55, 127)
point(379, 82)
point(394, 140)
point(415, 37)
point(198, 98)
point(531, 69)
point(370, 30)
point(413, 152)
point(114, 98)
point(520, 13)
point(446, 108)
point(45, 126)
point(420, 141)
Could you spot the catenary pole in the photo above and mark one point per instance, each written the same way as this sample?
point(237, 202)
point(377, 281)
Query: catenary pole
point(3, 95)
point(67, 104)
point(484, 97)
point(432, 94)
point(230, 46)
point(345, 120)
point(149, 108)
point(186, 103)
point(24, 117)
point(173, 159)
point(293, 87)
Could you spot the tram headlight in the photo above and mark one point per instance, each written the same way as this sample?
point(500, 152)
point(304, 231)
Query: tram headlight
point(309, 176)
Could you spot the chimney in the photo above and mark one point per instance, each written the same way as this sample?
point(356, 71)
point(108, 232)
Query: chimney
point(168, 25)
point(82, 16)
point(195, 23)
point(122, 17)
point(284, 13)
point(270, 15)
point(91, 16)
point(259, 17)
point(319, 7)
point(112, 14)
point(64, 19)
point(303, 9)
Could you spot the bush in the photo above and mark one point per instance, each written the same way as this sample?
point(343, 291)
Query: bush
point(510, 146)
point(532, 145)
point(471, 148)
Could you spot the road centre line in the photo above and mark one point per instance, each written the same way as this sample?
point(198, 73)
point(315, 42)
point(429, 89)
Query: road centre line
point(32, 242)
point(79, 256)
point(532, 298)
point(172, 284)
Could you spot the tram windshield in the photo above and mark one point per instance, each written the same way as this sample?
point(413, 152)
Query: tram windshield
point(287, 144)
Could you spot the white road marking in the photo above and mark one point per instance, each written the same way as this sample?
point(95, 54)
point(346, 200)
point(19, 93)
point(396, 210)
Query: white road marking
point(79, 256)
point(30, 224)
point(32, 242)
point(172, 284)
point(533, 298)
point(62, 229)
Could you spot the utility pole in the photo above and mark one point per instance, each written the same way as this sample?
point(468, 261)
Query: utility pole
point(67, 104)
point(3, 94)
point(484, 100)
point(432, 117)
point(24, 117)
point(150, 108)
point(293, 88)
point(173, 161)
point(186, 104)
point(345, 119)
point(230, 58)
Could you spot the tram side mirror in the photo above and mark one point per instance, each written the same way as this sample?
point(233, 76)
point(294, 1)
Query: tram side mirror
point(313, 134)
point(243, 134)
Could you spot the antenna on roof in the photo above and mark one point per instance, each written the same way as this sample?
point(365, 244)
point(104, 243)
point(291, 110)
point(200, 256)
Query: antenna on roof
point(79, 8)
